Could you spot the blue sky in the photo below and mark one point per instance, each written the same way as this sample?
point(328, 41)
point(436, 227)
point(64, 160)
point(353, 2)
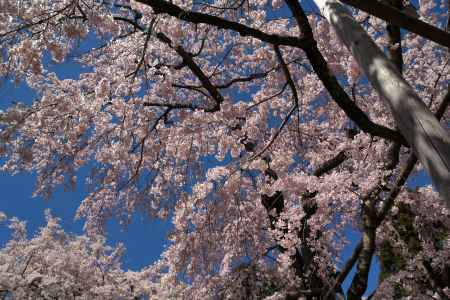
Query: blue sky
point(143, 238)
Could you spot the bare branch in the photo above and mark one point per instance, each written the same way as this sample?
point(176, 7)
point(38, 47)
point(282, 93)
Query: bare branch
point(396, 17)
point(345, 269)
point(171, 105)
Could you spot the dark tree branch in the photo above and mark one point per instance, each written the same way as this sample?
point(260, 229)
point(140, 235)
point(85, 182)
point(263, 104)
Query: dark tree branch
point(189, 61)
point(359, 282)
point(331, 164)
point(142, 59)
point(202, 45)
point(287, 74)
point(331, 83)
point(305, 42)
point(396, 17)
point(135, 24)
point(444, 104)
point(396, 56)
point(243, 79)
point(192, 88)
point(165, 7)
point(345, 270)
point(225, 85)
point(395, 39)
point(171, 105)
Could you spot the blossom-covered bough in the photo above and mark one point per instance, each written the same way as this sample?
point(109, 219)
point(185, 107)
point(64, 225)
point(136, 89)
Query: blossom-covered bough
point(250, 126)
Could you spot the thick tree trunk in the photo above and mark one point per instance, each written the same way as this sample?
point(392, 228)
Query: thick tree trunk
point(429, 140)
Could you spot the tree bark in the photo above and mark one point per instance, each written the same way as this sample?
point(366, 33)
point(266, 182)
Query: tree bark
point(429, 140)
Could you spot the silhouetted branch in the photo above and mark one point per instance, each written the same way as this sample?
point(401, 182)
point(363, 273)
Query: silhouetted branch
point(396, 17)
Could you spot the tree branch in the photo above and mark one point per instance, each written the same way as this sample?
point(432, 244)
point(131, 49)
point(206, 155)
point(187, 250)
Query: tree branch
point(287, 74)
point(189, 61)
point(346, 269)
point(331, 83)
point(277, 133)
point(162, 6)
point(243, 79)
point(359, 282)
point(305, 42)
point(330, 164)
point(171, 105)
point(396, 17)
point(395, 55)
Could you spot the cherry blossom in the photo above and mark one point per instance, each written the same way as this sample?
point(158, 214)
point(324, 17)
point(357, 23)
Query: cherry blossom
point(247, 124)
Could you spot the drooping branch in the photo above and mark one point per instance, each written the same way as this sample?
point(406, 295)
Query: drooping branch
point(291, 84)
point(142, 59)
point(277, 94)
point(396, 17)
point(277, 133)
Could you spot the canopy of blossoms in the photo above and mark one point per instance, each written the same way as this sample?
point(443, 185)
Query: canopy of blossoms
point(249, 125)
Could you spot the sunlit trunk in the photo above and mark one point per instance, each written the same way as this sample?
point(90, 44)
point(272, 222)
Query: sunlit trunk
point(429, 140)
